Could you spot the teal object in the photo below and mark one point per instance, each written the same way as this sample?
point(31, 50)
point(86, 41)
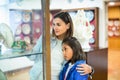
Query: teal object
point(2, 76)
point(19, 46)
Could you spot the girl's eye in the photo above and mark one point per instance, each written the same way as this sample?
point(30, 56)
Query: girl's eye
point(58, 24)
point(64, 49)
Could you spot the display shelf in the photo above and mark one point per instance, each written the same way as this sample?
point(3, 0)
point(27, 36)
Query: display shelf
point(21, 63)
point(113, 27)
point(13, 54)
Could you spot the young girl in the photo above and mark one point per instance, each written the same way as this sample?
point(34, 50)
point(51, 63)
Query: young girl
point(74, 55)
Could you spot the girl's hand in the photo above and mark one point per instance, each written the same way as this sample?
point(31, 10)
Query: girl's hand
point(84, 69)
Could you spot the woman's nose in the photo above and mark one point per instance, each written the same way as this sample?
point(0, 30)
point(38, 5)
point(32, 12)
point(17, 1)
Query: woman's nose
point(55, 27)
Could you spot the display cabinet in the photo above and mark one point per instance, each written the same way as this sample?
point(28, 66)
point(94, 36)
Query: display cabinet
point(98, 59)
point(91, 14)
point(16, 62)
point(28, 24)
point(113, 22)
point(114, 27)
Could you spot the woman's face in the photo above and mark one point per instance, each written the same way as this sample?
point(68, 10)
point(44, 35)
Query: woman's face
point(67, 52)
point(60, 28)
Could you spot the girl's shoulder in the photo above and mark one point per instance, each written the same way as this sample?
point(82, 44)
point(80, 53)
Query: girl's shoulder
point(80, 62)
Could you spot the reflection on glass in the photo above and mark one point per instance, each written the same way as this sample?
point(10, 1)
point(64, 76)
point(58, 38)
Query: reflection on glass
point(21, 42)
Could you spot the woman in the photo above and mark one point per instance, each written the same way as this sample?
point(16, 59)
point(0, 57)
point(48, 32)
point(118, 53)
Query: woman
point(62, 27)
point(74, 56)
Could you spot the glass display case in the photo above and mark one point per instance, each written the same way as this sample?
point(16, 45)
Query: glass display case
point(18, 58)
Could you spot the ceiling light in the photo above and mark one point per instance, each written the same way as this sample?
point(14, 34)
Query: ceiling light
point(111, 3)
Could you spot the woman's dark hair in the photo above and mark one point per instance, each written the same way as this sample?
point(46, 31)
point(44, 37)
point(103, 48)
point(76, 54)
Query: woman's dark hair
point(78, 53)
point(65, 17)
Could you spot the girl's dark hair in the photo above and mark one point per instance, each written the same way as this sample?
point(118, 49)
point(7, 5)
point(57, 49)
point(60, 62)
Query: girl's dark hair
point(65, 17)
point(78, 53)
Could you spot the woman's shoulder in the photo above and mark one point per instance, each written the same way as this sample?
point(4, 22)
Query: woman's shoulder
point(55, 41)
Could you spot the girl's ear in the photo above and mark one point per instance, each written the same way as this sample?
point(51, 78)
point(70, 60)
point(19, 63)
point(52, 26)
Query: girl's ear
point(68, 25)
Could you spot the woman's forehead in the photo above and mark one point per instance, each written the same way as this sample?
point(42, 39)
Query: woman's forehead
point(57, 20)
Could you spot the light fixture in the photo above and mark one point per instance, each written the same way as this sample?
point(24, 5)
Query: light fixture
point(111, 3)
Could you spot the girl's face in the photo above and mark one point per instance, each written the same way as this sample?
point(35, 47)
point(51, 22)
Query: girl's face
point(60, 27)
point(67, 52)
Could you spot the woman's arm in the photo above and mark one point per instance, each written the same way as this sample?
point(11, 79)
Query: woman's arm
point(38, 47)
point(85, 69)
point(79, 76)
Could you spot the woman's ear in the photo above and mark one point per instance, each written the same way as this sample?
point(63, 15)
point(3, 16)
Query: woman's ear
point(68, 25)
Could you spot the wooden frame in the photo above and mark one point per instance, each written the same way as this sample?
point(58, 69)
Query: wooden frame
point(46, 41)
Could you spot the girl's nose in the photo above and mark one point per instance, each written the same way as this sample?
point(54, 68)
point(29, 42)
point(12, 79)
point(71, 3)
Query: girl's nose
point(63, 52)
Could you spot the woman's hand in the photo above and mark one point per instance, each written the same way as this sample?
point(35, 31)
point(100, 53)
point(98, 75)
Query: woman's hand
point(84, 69)
point(28, 46)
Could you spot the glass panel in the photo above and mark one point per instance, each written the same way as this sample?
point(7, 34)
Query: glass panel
point(21, 54)
point(23, 33)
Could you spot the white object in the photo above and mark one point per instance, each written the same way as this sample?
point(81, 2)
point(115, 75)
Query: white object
point(18, 30)
point(26, 29)
point(15, 64)
point(7, 34)
point(26, 17)
point(82, 31)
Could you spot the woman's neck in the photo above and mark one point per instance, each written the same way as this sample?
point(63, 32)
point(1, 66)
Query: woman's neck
point(61, 37)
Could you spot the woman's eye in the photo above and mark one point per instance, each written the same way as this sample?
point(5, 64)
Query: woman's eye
point(53, 24)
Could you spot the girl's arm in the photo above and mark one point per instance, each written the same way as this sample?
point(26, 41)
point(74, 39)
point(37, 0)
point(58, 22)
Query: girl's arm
point(79, 76)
